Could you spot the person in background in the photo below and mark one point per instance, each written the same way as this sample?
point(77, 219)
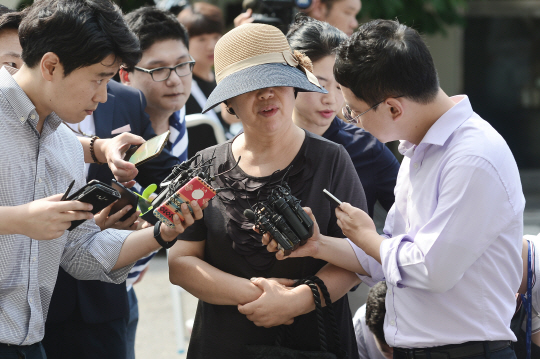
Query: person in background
point(521, 326)
point(163, 73)
point(338, 13)
point(316, 112)
point(10, 48)
point(368, 325)
point(205, 25)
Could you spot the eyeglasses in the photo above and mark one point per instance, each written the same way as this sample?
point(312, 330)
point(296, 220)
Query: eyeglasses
point(163, 73)
point(349, 114)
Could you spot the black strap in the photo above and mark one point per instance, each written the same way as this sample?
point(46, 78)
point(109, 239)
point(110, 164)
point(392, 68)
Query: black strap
point(159, 239)
point(330, 306)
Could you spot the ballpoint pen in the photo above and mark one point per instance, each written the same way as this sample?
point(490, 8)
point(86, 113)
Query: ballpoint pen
point(64, 197)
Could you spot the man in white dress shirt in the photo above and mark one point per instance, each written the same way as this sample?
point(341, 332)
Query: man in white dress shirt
point(451, 249)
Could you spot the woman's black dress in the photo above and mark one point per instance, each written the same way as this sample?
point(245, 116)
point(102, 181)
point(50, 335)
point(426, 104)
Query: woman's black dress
point(232, 246)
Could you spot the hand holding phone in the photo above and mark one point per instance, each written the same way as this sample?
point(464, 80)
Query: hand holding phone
point(148, 150)
point(98, 194)
point(127, 197)
point(331, 197)
point(196, 189)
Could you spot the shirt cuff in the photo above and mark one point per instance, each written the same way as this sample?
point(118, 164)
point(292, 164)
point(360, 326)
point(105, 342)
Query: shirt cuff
point(106, 251)
point(389, 258)
point(370, 265)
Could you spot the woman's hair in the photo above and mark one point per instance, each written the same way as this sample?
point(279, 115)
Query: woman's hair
point(202, 18)
point(314, 38)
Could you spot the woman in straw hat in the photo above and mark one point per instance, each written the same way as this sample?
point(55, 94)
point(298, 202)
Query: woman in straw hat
point(220, 259)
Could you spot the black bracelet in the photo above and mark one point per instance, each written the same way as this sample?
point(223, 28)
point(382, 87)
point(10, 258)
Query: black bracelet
point(157, 236)
point(92, 153)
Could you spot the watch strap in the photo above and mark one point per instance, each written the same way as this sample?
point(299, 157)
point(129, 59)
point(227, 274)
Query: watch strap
point(159, 239)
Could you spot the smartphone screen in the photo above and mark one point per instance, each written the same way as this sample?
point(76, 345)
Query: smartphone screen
point(149, 149)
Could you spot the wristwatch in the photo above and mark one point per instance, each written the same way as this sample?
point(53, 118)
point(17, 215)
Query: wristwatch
point(157, 236)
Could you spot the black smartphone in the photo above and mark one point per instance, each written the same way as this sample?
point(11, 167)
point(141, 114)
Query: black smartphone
point(127, 197)
point(98, 194)
point(331, 197)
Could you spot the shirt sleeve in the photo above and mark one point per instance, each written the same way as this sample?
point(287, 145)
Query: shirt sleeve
point(370, 265)
point(90, 253)
point(472, 210)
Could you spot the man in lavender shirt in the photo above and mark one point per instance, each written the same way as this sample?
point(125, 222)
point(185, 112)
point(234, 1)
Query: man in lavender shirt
point(451, 249)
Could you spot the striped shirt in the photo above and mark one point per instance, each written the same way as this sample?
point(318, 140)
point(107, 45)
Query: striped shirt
point(34, 166)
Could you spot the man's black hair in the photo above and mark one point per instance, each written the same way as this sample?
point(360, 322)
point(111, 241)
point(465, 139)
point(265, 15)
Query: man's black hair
point(80, 32)
point(314, 38)
point(10, 19)
point(386, 59)
point(376, 310)
point(152, 25)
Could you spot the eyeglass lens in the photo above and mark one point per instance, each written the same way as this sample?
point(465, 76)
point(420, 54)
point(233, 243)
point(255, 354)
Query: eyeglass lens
point(164, 73)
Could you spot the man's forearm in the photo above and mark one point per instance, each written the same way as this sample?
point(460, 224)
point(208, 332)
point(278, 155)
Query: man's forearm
point(137, 245)
point(338, 251)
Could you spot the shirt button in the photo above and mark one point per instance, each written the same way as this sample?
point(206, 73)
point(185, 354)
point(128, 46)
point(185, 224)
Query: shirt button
point(33, 259)
point(30, 301)
point(22, 119)
point(39, 180)
point(33, 117)
point(393, 323)
point(416, 165)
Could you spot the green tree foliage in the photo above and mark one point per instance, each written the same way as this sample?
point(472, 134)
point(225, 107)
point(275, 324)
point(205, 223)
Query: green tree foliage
point(426, 16)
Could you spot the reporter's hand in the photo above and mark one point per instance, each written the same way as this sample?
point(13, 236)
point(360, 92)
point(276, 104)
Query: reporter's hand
point(310, 249)
point(48, 218)
point(355, 223)
point(104, 221)
point(168, 234)
point(115, 149)
point(244, 18)
point(275, 306)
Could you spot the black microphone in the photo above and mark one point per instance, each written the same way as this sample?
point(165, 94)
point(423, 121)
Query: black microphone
point(249, 215)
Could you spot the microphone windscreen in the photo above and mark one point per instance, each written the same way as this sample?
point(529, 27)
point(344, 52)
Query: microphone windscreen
point(249, 214)
point(249, 4)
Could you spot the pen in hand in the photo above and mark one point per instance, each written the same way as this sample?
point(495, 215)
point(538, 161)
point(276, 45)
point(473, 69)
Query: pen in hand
point(64, 197)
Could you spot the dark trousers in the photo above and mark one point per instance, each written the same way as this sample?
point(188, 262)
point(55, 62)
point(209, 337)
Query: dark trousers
point(76, 339)
point(506, 353)
point(34, 351)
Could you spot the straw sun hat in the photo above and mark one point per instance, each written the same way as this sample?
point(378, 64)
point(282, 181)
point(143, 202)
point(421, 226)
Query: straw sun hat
point(255, 56)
